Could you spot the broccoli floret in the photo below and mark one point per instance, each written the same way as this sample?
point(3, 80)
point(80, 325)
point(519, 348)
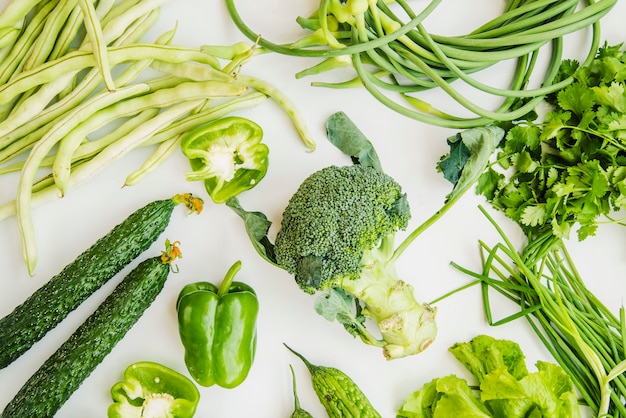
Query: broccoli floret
point(336, 215)
point(337, 233)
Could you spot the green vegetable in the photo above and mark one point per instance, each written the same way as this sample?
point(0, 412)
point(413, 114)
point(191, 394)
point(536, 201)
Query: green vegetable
point(337, 237)
point(74, 96)
point(64, 371)
point(153, 390)
point(338, 393)
point(585, 338)
point(567, 173)
point(64, 292)
point(396, 58)
point(227, 155)
point(505, 387)
point(218, 330)
point(298, 412)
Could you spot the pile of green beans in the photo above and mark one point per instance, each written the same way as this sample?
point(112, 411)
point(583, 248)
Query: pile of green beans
point(80, 88)
point(395, 57)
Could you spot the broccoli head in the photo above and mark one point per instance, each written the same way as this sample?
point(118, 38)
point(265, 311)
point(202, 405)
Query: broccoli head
point(337, 238)
point(336, 215)
point(337, 234)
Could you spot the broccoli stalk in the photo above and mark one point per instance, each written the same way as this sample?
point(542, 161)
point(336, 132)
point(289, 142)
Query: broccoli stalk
point(406, 326)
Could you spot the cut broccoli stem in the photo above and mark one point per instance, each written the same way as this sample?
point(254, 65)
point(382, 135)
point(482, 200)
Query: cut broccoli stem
point(407, 326)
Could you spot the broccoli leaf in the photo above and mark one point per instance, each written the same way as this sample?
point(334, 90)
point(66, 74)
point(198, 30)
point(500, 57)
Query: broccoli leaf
point(452, 165)
point(348, 138)
point(257, 225)
point(338, 305)
point(469, 157)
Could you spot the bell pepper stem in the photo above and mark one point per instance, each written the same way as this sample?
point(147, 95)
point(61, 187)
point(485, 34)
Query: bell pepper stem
point(228, 279)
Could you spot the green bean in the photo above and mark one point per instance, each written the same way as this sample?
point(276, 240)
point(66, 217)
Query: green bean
point(41, 149)
point(8, 36)
point(111, 153)
point(141, 133)
point(68, 34)
point(17, 147)
point(80, 60)
point(104, 7)
point(16, 10)
point(42, 46)
point(133, 34)
point(209, 114)
point(6, 49)
point(162, 97)
point(89, 148)
point(39, 116)
point(34, 104)
point(284, 102)
point(114, 27)
point(191, 70)
point(98, 43)
point(116, 10)
point(92, 147)
point(13, 62)
point(164, 150)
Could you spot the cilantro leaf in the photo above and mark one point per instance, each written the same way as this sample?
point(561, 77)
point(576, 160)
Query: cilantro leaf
point(567, 171)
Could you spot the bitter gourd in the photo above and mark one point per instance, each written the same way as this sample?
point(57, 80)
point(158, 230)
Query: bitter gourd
point(54, 300)
point(340, 396)
point(298, 411)
point(64, 371)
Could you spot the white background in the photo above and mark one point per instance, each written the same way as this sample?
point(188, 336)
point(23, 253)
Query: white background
point(212, 241)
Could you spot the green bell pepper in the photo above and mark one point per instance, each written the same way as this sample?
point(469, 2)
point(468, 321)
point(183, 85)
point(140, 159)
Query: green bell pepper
point(151, 390)
point(228, 155)
point(217, 327)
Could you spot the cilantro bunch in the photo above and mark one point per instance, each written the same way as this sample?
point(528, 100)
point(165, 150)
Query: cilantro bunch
point(568, 171)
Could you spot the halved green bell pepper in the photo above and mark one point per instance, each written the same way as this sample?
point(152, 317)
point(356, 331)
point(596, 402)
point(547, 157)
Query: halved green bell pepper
point(217, 327)
point(151, 390)
point(228, 155)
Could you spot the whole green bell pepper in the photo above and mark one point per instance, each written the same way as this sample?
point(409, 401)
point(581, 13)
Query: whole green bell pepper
point(217, 327)
point(228, 155)
point(152, 390)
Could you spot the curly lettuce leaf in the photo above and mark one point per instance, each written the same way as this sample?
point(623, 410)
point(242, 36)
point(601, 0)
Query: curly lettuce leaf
point(506, 388)
point(484, 354)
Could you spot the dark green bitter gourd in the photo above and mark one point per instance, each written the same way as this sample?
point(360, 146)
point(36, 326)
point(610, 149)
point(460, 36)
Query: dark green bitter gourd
point(64, 371)
point(338, 393)
point(63, 293)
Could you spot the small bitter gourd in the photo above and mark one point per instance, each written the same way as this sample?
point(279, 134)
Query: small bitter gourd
point(54, 300)
point(45, 392)
point(340, 396)
point(298, 411)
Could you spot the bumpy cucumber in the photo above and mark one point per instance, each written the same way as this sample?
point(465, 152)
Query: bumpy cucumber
point(65, 370)
point(53, 301)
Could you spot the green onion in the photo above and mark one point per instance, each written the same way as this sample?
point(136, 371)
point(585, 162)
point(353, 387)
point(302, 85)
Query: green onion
point(580, 332)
